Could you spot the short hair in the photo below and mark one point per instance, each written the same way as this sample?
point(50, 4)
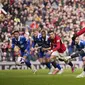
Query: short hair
point(51, 31)
point(12, 32)
point(15, 31)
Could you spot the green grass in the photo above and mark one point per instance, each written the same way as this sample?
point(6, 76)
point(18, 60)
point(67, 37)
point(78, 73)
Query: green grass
point(26, 77)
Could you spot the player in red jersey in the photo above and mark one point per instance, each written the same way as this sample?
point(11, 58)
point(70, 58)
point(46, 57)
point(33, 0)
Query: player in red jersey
point(80, 32)
point(58, 50)
point(81, 52)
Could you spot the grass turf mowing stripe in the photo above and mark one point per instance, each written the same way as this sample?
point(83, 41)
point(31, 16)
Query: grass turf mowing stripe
point(26, 77)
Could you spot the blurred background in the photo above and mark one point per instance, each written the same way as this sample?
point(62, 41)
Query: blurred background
point(65, 17)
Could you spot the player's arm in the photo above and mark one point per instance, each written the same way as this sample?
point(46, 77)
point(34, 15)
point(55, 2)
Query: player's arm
point(27, 46)
point(56, 48)
point(45, 49)
point(58, 43)
point(25, 43)
point(73, 43)
point(33, 43)
point(78, 33)
point(13, 43)
point(82, 43)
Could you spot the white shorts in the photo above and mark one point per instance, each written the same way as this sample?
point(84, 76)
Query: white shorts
point(59, 55)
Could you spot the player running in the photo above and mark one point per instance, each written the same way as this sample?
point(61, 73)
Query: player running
point(80, 44)
point(58, 50)
point(81, 49)
point(43, 45)
point(21, 49)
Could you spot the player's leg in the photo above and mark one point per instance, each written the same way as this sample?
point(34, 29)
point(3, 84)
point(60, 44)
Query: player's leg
point(28, 63)
point(41, 58)
point(45, 61)
point(71, 65)
point(78, 53)
point(22, 52)
point(83, 73)
point(53, 61)
point(48, 64)
point(64, 57)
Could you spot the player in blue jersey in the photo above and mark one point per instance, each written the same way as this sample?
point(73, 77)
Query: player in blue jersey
point(43, 44)
point(80, 44)
point(23, 45)
point(19, 41)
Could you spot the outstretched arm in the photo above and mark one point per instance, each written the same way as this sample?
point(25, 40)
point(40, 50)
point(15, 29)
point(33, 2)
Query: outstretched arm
point(80, 32)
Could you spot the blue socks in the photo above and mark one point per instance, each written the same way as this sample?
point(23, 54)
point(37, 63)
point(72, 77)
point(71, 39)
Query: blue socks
point(58, 66)
point(48, 65)
point(53, 63)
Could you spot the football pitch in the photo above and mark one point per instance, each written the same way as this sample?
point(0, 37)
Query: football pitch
point(26, 77)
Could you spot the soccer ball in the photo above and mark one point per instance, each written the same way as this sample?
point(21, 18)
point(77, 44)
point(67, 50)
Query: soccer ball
point(20, 61)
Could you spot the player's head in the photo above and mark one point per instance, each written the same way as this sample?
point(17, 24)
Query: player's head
point(51, 34)
point(43, 33)
point(77, 40)
point(16, 34)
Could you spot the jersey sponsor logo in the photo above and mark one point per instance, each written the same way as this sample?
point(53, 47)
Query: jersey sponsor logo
point(58, 40)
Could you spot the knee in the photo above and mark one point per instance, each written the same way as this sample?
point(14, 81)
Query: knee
point(41, 60)
point(52, 58)
point(48, 60)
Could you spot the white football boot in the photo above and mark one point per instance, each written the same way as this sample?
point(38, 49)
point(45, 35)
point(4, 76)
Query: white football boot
point(60, 72)
point(51, 70)
point(81, 75)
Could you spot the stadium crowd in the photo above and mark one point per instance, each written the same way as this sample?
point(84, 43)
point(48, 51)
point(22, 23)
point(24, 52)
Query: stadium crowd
point(65, 17)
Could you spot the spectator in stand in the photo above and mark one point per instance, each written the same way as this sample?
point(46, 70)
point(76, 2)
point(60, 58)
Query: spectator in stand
point(64, 16)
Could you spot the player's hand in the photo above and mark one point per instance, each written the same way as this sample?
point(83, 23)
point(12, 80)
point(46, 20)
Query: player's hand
point(25, 51)
point(49, 52)
point(44, 49)
point(74, 37)
point(36, 48)
point(32, 49)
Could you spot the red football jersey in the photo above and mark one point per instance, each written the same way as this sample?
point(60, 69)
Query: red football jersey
point(80, 32)
point(57, 45)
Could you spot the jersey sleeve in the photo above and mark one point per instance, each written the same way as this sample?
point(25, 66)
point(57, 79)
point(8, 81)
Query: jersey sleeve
point(58, 42)
point(13, 43)
point(80, 32)
point(82, 42)
point(28, 45)
point(73, 43)
point(33, 42)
